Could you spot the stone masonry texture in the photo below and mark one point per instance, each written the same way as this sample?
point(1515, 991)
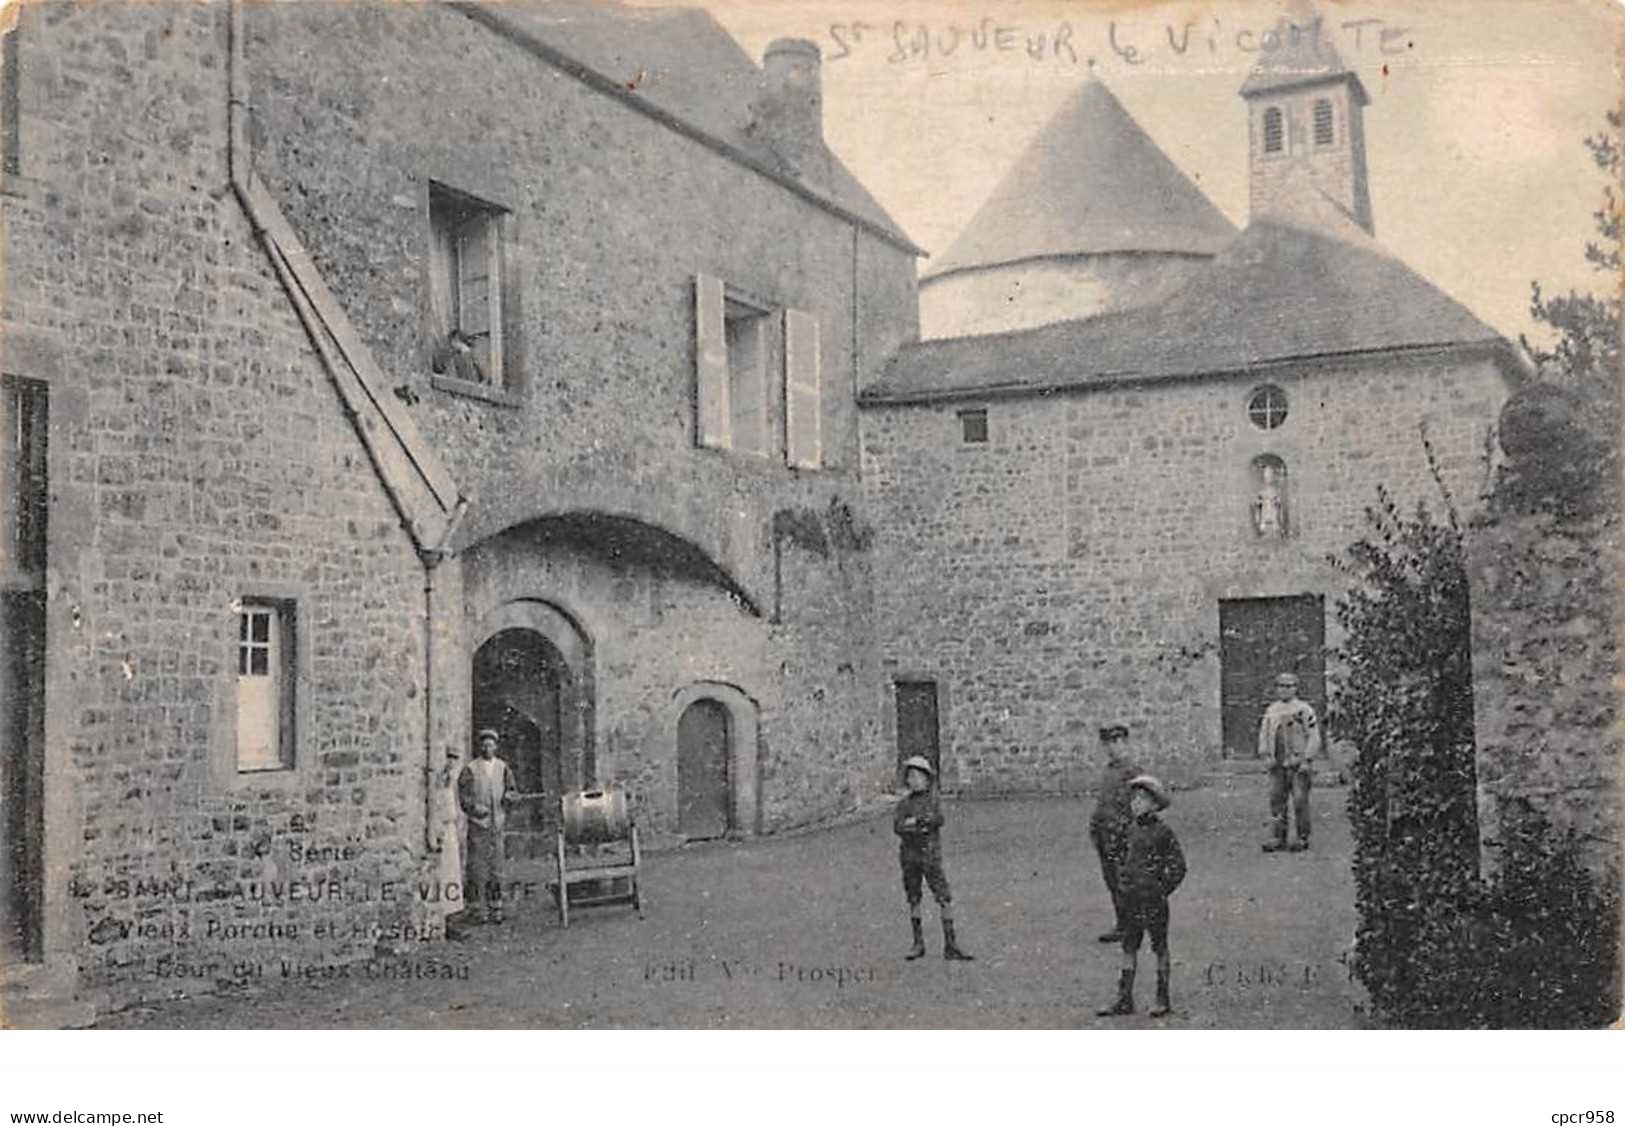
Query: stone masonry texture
point(1067, 573)
point(1545, 676)
point(200, 455)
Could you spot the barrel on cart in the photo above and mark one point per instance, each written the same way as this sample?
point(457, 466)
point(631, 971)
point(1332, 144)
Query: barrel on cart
point(597, 854)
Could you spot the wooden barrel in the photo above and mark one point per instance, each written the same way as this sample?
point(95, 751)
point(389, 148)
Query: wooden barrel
point(595, 816)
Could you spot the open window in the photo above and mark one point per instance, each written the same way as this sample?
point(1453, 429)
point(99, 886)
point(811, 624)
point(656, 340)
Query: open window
point(465, 290)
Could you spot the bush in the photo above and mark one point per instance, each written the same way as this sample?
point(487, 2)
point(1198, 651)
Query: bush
point(1436, 946)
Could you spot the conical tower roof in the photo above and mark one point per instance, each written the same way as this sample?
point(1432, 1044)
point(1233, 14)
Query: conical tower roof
point(1092, 182)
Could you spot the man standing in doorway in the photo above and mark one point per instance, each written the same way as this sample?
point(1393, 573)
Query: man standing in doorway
point(485, 789)
point(1289, 740)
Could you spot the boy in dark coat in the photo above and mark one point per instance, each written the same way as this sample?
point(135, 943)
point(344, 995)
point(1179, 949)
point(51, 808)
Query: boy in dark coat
point(1109, 822)
point(1153, 866)
point(917, 822)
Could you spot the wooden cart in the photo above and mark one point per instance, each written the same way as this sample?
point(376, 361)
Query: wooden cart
point(597, 844)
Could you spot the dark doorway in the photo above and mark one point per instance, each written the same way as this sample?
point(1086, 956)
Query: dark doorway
point(22, 775)
point(517, 676)
point(1260, 637)
point(917, 731)
point(702, 770)
point(23, 511)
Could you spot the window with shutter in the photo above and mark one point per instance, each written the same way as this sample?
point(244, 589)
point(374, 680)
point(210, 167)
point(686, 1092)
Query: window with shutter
point(1274, 130)
point(465, 288)
point(265, 719)
point(803, 402)
point(1323, 122)
point(9, 155)
point(713, 414)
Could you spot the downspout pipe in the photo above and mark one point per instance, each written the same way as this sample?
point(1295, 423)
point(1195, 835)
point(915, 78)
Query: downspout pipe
point(239, 161)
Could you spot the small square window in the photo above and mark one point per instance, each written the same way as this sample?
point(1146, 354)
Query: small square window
point(973, 426)
point(265, 686)
point(465, 288)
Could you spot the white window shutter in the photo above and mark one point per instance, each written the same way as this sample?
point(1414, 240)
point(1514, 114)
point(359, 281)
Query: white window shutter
point(713, 414)
point(803, 402)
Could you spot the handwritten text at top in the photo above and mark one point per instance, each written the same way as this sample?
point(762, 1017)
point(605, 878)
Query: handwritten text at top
point(1131, 43)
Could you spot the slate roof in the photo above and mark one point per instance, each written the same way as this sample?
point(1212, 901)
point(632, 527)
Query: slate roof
point(1281, 291)
point(683, 64)
point(1091, 182)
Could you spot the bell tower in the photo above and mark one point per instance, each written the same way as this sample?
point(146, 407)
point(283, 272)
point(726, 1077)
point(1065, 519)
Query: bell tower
point(1306, 135)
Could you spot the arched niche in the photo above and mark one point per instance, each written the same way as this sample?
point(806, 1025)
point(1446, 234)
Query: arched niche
point(743, 723)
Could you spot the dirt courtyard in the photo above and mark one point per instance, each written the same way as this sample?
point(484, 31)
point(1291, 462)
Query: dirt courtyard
point(808, 931)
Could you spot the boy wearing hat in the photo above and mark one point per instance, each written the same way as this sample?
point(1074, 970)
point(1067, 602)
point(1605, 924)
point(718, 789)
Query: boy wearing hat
point(1110, 820)
point(485, 790)
point(1153, 866)
point(917, 822)
point(1289, 739)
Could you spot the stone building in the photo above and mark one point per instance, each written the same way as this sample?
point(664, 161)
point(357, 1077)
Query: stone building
point(373, 372)
point(1111, 484)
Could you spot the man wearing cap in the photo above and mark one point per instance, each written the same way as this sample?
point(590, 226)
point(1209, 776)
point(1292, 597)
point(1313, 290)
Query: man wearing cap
point(917, 821)
point(1289, 740)
point(1110, 820)
point(485, 789)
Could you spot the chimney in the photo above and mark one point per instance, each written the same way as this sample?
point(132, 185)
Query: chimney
point(789, 110)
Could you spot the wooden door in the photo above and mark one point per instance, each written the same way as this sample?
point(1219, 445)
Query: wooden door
point(1260, 638)
point(22, 774)
point(702, 771)
point(917, 731)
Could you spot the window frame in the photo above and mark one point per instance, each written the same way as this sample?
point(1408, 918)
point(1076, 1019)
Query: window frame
point(25, 406)
point(1315, 119)
point(968, 417)
point(1279, 113)
point(280, 650)
point(10, 96)
point(451, 211)
point(293, 602)
point(739, 308)
point(1265, 417)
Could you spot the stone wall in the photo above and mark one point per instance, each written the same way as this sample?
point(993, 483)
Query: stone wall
point(1545, 605)
point(1067, 573)
point(197, 455)
point(611, 214)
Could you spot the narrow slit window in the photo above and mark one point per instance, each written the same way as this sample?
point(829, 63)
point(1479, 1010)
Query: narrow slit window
point(1274, 130)
point(1324, 134)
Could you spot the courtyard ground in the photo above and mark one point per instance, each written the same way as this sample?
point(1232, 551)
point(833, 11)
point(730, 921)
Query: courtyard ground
point(808, 931)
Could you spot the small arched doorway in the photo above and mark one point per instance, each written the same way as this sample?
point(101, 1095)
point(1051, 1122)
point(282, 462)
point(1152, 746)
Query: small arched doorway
point(517, 682)
point(704, 796)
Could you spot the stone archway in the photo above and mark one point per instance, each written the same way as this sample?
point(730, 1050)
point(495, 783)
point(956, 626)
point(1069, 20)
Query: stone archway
point(743, 728)
point(532, 659)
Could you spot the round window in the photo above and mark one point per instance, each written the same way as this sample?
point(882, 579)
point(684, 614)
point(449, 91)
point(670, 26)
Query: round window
point(1267, 407)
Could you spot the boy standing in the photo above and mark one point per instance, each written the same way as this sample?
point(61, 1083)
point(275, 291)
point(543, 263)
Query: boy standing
point(917, 821)
point(1153, 866)
point(1109, 822)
